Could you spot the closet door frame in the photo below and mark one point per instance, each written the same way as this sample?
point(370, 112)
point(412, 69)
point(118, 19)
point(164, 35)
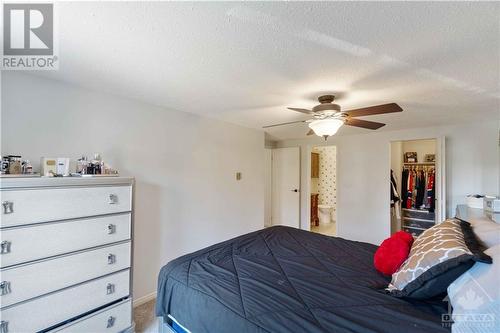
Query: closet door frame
point(440, 167)
point(441, 177)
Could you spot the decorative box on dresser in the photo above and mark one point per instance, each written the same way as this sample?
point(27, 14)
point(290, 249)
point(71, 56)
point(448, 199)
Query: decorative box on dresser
point(65, 254)
point(468, 214)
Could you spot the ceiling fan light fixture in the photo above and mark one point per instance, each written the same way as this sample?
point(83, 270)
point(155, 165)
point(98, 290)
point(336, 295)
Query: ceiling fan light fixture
point(326, 127)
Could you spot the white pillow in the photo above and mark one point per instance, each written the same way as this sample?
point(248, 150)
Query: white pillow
point(487, 231)
point(475, 297)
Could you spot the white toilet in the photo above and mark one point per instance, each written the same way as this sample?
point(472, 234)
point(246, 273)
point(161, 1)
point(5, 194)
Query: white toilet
point(325, 214)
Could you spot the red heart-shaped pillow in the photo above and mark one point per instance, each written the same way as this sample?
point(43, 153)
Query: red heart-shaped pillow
point(405, 236)
point(393, 252)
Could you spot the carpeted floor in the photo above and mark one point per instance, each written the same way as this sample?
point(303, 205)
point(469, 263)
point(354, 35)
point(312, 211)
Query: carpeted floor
point(144, 318)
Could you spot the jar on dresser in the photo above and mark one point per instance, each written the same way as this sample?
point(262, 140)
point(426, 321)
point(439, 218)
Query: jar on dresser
point(65, 254)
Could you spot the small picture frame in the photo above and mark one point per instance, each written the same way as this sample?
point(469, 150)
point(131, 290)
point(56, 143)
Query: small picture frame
point(430, 158)
point(411, 157)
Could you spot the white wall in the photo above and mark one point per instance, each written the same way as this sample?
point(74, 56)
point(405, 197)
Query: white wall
point(363, 164)
point(186, 193)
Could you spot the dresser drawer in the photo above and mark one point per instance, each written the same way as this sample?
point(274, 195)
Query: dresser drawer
point(419, 214)
point(417, 223)
point(52, 204)
point(28, 281)
point(49, 239)
point(415, 232)
point(52, 309)
point(114, 319)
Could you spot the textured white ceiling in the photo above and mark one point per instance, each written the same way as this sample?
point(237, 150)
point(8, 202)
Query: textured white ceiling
point(246, 62)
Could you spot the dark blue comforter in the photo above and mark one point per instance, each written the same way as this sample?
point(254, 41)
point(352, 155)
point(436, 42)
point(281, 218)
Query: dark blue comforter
point(282, 279)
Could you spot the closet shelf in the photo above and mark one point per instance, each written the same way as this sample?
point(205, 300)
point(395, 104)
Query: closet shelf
point(419, 163)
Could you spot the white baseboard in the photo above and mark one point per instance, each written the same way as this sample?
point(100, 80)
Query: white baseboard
point(144, 299)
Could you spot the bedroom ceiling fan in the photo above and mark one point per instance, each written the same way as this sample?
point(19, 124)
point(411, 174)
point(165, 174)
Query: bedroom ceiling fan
point(327, 116)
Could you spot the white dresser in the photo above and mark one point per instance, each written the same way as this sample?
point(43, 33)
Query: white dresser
point(65, 255)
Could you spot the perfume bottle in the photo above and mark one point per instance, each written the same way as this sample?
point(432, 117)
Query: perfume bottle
point(27, 167)
point(81, 165)
point(97, 164)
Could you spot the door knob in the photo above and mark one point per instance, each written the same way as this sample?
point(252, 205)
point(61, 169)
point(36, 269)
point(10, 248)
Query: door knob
point(295, 190)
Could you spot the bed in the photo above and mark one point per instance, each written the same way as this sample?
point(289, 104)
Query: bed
point(283, 279)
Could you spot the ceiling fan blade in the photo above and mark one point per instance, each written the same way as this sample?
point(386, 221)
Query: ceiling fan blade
point(372, 110)
point(290, 122)
point(301, 110)
point(363, 123)
point(311, 132)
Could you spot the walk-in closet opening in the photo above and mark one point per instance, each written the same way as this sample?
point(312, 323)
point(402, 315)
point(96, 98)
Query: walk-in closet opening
point(323, 190)
point(417, 189)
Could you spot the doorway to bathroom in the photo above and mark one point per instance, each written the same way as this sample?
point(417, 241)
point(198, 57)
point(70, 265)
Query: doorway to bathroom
point(323, 189)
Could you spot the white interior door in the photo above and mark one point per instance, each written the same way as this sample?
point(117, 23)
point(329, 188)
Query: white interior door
point(286, 187)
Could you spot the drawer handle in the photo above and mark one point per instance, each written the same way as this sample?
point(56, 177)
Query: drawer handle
point(8, 207)
point(4, 326)
point(4, 288)
point(110, 288)
point(5, 248)
point(111, 258)
point(111, 228)
point(111, 322)
point(113, 199)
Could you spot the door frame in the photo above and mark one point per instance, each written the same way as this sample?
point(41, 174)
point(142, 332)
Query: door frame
point(306, 225)
point(441, 175)
point(268, 187)
point(307, 191)
point(440, 168)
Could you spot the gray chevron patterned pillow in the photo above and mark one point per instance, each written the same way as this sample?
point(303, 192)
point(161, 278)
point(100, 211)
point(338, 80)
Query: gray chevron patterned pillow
point(438, 256)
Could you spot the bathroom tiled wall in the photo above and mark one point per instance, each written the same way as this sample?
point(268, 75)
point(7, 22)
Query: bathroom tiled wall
point(327, 187)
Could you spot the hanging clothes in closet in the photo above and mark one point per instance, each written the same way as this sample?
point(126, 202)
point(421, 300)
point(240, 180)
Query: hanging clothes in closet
point(404, 187)
point(418, 187)
point(395, 199)
point(410, 201)
point(431, 192)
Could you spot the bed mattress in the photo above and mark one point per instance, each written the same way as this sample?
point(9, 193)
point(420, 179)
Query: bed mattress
point(282, 279)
